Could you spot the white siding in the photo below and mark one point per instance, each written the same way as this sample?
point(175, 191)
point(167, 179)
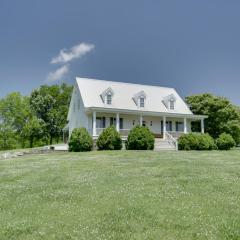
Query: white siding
point(77, 115)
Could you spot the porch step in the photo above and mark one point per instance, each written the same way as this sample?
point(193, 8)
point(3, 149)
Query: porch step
point(161, 144)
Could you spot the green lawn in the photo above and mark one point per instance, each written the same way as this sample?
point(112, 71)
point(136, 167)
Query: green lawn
point(121, 195)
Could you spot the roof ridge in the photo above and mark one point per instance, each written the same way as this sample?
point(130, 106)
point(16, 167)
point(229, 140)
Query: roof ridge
point(138, 84)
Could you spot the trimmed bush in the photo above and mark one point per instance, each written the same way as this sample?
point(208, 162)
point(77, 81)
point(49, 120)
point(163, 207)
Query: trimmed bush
point(225, 142)
point(206, 142)
point(140, 138)
point(80, 141)
point(109, 139)
point(195, 141)
point(188, 142)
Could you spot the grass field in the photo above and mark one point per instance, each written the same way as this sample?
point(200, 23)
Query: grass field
point(121, 195)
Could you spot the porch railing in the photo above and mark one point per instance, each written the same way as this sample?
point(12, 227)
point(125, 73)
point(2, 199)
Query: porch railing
point(173, 141)
point(123, 132)
point(176, 134)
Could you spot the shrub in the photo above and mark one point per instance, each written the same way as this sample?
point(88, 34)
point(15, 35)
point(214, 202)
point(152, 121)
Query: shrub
point(233, 128)
point(140, 138)
point(225, 142)
point(194, 141)
point(80, 141)
point(109, 139)
point(206, 142)
point(188, 142)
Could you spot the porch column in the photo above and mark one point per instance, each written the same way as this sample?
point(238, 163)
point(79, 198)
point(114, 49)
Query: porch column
point(202, 125)
point(185, 125)
point(141, 120)
point(164, 127)
point(117, 122)
point(94, 124)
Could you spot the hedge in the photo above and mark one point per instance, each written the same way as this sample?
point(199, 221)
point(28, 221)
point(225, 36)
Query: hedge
point(225, 142)
point(195, 141)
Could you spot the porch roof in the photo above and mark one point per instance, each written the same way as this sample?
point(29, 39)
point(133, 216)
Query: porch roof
point(145, 113)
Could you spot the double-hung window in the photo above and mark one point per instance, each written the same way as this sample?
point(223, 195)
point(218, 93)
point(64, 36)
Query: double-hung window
point(109, 99)
point(100, 122)
point(142, 102)
point(172, 103)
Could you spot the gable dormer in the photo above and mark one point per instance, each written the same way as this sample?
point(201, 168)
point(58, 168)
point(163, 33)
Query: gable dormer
point(170, 102)
point(140, 99)
point(107, 95)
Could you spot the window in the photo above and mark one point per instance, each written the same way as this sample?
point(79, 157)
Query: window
point(74, 107)
point(141, 102)
point(179, 126)
point(169, 126)
point(172, 104)
point(78, 104)
point(121, 123)
point(109, 99)
point(113, 122)
point(100, 122)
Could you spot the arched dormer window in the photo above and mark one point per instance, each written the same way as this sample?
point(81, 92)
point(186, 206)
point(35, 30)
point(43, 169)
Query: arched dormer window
point(170, 102)
point(140, 99)
point(107, 96)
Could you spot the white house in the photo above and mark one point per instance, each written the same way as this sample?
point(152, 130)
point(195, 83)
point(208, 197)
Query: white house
point(97, 104)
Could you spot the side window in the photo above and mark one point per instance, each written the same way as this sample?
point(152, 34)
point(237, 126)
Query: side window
point(78, 104)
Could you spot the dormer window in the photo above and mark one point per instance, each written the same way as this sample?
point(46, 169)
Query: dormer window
point(141, 102)
point(139, 99)
point(109, 99)
point(170, 102)
point(107, 96)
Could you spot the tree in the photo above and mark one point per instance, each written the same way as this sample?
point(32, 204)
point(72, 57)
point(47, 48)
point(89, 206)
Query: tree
point(223, 116)
point(7, 137)
point(50, 103)
point(33, 129)
point(14, 109)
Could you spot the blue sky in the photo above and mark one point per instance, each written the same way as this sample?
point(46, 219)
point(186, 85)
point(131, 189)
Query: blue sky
point(193, 46)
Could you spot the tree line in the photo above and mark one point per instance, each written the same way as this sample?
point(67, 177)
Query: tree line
point(35, 120)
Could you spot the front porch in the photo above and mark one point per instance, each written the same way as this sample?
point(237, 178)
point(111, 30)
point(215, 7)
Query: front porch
point(161, 124)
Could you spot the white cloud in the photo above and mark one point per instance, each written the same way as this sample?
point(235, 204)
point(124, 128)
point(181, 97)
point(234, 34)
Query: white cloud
point(58, 74)
point(75, 52)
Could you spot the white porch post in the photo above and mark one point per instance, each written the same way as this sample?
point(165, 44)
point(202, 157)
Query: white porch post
point(202, 125)
point(164, 127)
point(117, 122)
point(94, 124)
point(185, 125)
point(141, 120)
